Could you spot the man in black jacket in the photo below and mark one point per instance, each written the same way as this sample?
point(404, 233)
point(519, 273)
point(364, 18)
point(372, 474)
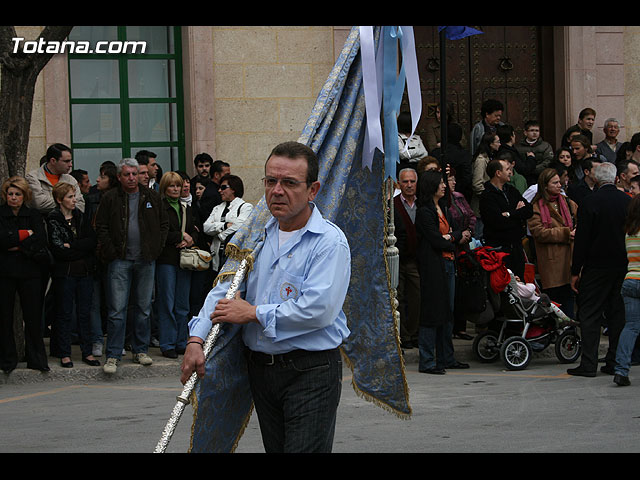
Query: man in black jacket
point(504, 212)
point(211, 196)
point(132, 228)
point(598, 269)
point(525, 165)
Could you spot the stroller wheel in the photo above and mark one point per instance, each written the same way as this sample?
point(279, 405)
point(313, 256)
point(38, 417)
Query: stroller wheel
point(516, 353)
point(485, 346)
point(568, 346)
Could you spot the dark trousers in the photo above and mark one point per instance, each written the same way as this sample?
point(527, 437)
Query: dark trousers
point(69, 292)
point(201, 285)
point(296, 399)
point(516, 259)
point(598, 294)
point(564, 296)
point(31, 301)
point(409, 301)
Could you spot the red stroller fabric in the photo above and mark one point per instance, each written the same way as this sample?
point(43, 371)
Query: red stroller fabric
point(493, 262)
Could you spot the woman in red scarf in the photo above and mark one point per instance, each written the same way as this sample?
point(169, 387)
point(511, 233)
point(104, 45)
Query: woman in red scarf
point(553, 226)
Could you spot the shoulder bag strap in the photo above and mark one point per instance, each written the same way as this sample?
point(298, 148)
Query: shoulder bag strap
point(184, 217)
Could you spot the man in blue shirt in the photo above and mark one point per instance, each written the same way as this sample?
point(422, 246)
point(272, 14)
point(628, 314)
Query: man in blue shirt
point(291, 310)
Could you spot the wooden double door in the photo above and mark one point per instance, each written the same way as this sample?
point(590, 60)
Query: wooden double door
point(513, 64)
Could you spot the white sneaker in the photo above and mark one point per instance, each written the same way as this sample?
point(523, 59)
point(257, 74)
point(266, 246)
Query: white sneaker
point(110, 366)
point(97, 350)
point(142, 359)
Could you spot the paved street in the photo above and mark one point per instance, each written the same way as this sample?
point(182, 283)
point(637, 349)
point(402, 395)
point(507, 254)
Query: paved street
point(483, 409)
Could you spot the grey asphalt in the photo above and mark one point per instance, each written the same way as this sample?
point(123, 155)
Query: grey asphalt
point(484, 409)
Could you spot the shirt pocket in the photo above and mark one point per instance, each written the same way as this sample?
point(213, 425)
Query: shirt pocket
point(286, 287)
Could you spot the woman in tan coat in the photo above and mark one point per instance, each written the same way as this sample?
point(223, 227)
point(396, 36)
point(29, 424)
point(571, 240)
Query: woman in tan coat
point(553, 227)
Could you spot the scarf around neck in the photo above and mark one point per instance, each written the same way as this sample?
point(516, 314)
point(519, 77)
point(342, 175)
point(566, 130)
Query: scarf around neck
point(564, 211)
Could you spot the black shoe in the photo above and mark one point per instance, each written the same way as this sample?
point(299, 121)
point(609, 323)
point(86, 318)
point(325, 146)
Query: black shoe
point(608, 369)
point(93, 363)
point(462, 336)
point(180, 351)
point(42, 369)
point(170, 353)
point(68, 364)
point(621, 380)
point(458, 365)
point(580, 372)
point(433, 371)
point(406, 345)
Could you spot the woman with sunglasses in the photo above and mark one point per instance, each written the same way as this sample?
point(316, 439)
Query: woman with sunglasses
point(226, 218)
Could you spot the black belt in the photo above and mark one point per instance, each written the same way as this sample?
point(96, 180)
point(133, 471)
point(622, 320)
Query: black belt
point(269, 359)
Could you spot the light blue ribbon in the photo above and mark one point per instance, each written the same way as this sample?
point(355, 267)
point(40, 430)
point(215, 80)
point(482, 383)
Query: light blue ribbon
point(393, 88)
point(384, 82)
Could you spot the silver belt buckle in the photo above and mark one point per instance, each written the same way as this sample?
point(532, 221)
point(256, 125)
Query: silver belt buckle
point(273, 360)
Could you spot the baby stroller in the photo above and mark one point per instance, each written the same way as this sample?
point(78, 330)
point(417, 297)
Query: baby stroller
point(517, 326)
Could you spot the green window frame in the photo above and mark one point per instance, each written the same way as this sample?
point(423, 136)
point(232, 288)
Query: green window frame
point(119, 110)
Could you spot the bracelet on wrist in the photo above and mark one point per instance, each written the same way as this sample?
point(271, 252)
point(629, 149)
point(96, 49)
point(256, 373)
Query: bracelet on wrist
point(194, 341)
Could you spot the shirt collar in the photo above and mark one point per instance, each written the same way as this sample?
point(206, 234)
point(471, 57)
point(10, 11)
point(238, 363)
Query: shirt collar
point(315, 223)
point(406, 202)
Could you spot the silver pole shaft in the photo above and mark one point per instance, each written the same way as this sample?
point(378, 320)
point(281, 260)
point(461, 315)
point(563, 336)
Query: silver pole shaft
point(183, 398)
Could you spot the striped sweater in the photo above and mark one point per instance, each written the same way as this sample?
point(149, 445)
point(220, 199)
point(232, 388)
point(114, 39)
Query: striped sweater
point(632, 243)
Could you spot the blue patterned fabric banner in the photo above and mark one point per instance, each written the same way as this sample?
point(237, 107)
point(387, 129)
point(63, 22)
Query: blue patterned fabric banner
point(351, 197)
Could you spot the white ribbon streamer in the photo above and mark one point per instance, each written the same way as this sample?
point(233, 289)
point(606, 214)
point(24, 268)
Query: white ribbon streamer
point(410, 65)
point(372, 96)
point(372, 70)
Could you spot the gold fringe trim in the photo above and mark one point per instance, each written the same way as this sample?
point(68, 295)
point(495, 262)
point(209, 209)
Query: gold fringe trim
point(236, 253)
point(370, 398)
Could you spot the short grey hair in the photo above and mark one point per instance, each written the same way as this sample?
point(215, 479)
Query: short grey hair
point(408, 169)
point(605, 173)
point(610, 120)
point(128, 162)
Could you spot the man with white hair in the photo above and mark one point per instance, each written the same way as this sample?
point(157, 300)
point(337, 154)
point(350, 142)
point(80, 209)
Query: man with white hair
point(608, 147)
point(598, 269)
point(132, 227)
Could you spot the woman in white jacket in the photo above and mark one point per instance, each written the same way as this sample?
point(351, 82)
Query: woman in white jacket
point(227, 217)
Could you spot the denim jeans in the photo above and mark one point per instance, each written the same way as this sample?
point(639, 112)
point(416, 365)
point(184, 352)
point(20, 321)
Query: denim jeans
point(436, 343)
point(122, 275)
point(631, 296)
point(173, 285)
point(297, 401)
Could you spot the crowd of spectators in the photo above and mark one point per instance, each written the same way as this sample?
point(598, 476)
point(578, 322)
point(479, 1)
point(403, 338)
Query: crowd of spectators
point(102, 261)
point(544, 207)
point(95, 263)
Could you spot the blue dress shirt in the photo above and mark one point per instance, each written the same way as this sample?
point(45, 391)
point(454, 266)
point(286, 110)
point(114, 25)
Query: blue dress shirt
point(299, 289)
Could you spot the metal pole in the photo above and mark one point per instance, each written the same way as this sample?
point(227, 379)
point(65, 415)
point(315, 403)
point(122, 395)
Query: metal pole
point(183, 398)
point(443, 97)
point(443, 112)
